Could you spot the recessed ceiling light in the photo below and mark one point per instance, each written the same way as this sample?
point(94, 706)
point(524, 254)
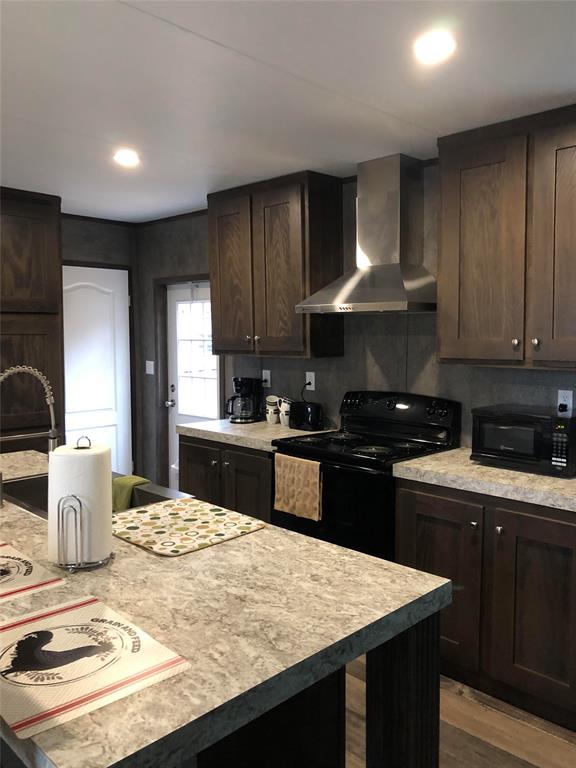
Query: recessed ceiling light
point(434, 46)
point(127, 158)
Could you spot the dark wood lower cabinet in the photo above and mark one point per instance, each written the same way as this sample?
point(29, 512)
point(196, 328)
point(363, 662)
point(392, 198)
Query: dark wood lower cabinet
point(444, 536)
point(531, 604)
point(200, 471)
point(247, 483)
point(511, 629)
point(240, 479)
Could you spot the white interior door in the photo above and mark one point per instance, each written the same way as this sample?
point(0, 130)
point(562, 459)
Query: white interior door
point(193, 373)
point(97, 360)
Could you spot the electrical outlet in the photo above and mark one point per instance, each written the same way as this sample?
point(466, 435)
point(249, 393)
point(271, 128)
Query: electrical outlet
point(266, 380)
point(310, 380)
point(565, 401)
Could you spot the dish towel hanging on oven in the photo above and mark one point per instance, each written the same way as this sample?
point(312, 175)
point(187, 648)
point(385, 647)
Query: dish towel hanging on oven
point(298, 485)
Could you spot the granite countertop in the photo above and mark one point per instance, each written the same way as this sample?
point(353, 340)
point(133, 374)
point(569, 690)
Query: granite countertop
point(258, 435)
point(453, 469)
point(259, 618)
point(23, 464)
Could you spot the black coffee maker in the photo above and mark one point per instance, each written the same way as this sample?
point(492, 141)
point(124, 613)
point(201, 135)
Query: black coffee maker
point(246, 405)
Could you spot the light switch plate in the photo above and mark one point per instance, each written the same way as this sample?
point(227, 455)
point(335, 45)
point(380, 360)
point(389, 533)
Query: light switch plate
point(150, 367)
point(266, 380)
point(310, 380)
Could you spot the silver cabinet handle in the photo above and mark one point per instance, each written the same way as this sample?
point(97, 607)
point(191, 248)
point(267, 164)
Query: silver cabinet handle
point(499, 530)
point(226, 463)
point(248, 338)
point(474, 524)
point(535, 342)
point(213, 462)
point(256, 339)
point(515, 343)
point(170, 403)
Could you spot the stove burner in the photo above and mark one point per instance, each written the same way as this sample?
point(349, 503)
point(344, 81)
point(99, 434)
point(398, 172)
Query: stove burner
point(374, 451)
point(344, 437)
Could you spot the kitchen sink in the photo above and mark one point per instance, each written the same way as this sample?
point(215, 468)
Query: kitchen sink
point(32, 494)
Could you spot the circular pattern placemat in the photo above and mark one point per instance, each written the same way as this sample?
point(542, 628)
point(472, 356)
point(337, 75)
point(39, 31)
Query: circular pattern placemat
point(173, 528)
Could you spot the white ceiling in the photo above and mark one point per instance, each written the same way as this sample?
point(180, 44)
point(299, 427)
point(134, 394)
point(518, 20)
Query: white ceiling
point(215, 94)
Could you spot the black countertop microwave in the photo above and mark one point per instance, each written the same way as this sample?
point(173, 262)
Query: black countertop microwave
point(528, 438)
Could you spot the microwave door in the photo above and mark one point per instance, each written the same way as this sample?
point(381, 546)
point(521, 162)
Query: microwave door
point(517, 441)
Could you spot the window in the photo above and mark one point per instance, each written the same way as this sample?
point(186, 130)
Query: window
point(197, 367)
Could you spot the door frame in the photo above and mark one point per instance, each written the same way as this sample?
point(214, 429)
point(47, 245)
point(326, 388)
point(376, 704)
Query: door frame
point(161, 356)
point(133, 390)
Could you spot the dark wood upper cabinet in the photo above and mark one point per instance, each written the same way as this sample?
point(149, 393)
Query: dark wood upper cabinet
point(552, 247)
point(31, 271)
point(278, 269)
point(34, 340)
point(507, 270)
point(444, 536)
point(532, 605)
point(230, 250)
point(272, 244)
point(481, 274)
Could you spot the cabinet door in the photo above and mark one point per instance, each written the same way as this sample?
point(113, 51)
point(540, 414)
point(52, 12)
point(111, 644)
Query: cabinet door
point(551, 309)
point(278, 269)
point(31, 271)
point(247, 480)
point(531, 605)
point(482, 256)
point(230, 252)
point(200, 471)
point(34, 340)
point(444, 536)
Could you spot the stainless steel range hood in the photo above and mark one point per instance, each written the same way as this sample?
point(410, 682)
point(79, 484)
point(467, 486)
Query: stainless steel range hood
point(390, 275)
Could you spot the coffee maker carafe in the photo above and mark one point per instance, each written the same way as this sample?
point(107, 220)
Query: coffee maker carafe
point(246, 405)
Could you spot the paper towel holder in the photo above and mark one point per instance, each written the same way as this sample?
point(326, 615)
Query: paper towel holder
point(72, 505)
point(83, 447)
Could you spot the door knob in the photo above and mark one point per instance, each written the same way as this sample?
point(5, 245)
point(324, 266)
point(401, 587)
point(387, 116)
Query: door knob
point(535, 342)
point(226, 463)
point(474, 524)
point(213, 462)
point(170, 403)
point(515, 343)
point(499, 530)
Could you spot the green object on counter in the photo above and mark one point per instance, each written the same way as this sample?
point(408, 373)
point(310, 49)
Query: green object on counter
point(122, 488)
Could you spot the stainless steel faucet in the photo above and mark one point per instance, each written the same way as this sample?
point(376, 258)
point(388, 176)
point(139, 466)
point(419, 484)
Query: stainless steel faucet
point(53, 432)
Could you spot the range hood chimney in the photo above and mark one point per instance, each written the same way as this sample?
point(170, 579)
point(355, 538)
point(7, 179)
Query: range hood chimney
point(389, 275)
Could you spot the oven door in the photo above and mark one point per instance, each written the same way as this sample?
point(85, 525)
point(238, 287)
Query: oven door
point(513, 440)
point(357, 511)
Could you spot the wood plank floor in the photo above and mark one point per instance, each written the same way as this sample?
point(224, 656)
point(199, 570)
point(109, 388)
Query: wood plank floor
point(476, 731)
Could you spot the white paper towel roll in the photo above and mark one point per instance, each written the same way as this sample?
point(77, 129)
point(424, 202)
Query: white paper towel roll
point(87, 474)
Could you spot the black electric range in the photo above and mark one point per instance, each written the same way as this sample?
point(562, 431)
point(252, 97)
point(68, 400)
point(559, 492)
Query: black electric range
point(377, 429)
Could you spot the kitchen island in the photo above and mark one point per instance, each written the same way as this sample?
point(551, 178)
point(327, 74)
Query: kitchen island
point(267, 622)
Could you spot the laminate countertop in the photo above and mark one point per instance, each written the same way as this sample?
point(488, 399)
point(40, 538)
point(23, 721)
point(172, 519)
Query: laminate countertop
point(453, 469)
point(258, 435)
point(23, 464)
point(260, 618)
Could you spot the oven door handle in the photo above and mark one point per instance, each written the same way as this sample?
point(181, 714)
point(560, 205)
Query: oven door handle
point(340, 468)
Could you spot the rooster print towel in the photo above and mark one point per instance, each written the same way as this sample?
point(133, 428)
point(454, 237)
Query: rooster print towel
point(21, 576)
point(70, 659)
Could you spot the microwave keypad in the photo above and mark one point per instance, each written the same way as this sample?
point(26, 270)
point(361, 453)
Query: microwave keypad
point(559, 450)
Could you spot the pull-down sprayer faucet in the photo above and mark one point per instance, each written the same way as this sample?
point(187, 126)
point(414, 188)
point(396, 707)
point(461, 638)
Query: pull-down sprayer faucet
point(53, 432)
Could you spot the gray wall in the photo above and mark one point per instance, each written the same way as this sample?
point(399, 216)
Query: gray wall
point(394, 351)
point(109, 243)
point(170, 248)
